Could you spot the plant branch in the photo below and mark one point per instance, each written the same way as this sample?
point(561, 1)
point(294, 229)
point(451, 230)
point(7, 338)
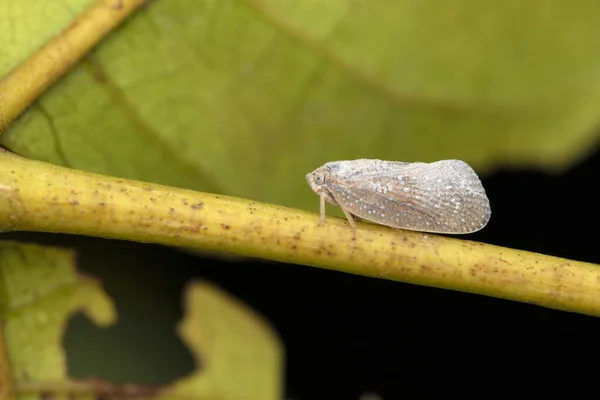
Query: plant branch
point(29, 80)
point(41, 197)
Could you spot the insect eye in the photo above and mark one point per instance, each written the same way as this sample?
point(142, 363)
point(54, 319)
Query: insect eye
point(318, 179)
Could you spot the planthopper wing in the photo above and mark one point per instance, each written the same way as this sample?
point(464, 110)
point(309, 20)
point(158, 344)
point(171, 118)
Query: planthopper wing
point(441, 197)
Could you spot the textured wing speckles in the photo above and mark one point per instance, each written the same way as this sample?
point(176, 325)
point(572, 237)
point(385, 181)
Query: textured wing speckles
point(442, 197)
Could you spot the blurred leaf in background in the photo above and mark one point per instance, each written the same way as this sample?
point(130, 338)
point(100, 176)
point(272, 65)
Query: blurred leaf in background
point(30, 24)
point(236, 352)
point(245, 97)
point(39, 290)
point(240, 354)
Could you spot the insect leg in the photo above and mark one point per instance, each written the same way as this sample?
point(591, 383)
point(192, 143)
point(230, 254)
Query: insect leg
point(322, 210)
point(350, 219)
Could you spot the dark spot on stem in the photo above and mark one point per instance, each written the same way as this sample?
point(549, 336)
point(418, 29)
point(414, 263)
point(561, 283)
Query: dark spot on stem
point(46, 396)
point(197, 206)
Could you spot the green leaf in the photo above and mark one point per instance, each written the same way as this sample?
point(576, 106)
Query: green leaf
point(39, 291)
point(237, 353)
point(28, 24)
point(241, 353)
point(246, 97)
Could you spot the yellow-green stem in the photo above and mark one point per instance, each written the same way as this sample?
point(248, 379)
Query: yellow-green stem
point(29, 80)
point(40, 197)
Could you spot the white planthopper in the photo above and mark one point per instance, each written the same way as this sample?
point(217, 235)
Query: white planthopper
point(440, 197)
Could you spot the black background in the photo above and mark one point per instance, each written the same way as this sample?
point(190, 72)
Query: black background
point(346, 335)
